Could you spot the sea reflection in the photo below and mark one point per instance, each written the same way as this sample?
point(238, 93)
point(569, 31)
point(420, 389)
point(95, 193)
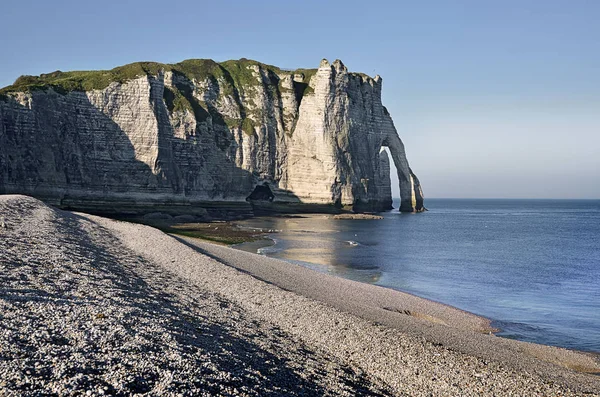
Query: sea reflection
point(497, 258)
point(315, 241)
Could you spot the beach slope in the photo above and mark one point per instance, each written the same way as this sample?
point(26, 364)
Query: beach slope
point(89, 304)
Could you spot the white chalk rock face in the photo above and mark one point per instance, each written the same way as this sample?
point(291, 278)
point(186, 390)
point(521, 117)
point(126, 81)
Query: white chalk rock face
point(201, 132)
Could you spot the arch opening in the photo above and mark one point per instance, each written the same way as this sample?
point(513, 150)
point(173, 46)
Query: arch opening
point(409, 188)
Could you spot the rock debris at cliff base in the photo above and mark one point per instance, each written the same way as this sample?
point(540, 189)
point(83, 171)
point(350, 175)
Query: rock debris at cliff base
point(95, 306)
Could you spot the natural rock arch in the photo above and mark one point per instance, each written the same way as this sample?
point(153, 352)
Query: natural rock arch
point(411, 194)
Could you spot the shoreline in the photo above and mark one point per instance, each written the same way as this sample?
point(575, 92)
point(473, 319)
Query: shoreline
point(342, 263)
point(217, 319)
point(267, 242)
point(261, 238)
point(477, 323)
point(492, 328)
point(444, 323)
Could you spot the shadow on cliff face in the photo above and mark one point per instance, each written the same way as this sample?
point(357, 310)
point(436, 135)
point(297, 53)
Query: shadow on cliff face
point(70, 153)
point(242, 181)
point(268, 200)
point(223, 138)
point(63, 145)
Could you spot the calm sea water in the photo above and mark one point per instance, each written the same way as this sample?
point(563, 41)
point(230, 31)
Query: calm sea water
point(532, 266)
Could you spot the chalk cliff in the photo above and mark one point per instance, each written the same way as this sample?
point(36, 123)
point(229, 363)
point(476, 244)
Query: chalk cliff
point(202, 134)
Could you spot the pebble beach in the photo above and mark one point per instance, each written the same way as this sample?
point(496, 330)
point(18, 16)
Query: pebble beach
point(94, 306)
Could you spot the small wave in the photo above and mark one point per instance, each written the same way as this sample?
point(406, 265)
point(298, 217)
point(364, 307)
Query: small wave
point(516, 330)
point(259, 229)
point(251, 228)
point(267, 250)
point(270, 249)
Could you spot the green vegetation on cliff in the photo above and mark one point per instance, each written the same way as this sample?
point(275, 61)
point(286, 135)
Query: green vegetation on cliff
point(234, 76)
point(175, 101)
point(235, 79)
point(63, 82)
point(248, 127)
point(235, 72)
point(307, 74)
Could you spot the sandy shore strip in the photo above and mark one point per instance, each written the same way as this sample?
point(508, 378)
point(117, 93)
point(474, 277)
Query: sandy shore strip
point(94, 306)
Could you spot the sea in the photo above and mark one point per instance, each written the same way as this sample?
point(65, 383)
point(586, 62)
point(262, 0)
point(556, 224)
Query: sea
point(531, 266)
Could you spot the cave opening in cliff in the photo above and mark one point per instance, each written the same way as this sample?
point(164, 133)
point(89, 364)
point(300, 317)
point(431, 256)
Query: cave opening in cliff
point(261, 193)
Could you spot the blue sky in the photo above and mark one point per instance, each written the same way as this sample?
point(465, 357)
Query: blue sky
point(492, 99)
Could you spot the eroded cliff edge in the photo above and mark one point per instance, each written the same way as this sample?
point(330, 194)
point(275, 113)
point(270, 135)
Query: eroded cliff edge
point(200, 134)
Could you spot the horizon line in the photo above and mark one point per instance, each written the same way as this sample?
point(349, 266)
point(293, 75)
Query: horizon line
point(504, 198)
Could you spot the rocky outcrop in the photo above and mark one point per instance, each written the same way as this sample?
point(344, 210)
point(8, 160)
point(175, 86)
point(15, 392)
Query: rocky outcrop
point(201, 134)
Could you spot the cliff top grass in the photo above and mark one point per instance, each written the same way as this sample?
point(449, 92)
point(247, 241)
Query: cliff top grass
point(235, 71)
